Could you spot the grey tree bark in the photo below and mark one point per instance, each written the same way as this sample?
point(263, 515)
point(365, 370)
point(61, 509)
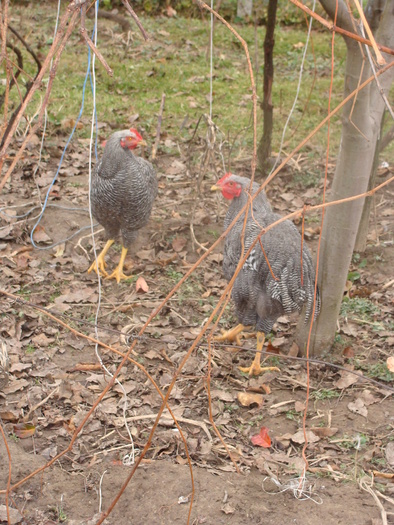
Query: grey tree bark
point(360, 131)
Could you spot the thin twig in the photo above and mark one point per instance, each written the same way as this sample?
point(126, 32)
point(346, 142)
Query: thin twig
point(380, 89)
point(125, 357)
point(381, 61)
point(180, 419)
point(89, 42)
point(332, 27)
point(136, 19)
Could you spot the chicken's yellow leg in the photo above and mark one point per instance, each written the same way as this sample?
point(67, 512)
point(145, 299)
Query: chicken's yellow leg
point(118, 272)
point(99, 263)
point(255, 368)
point(232, 335)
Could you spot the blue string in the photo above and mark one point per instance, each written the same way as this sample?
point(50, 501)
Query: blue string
point(88, 75)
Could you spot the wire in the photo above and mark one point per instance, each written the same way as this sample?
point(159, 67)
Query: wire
point(68, 208)
point(128, 459)
point(62, 157)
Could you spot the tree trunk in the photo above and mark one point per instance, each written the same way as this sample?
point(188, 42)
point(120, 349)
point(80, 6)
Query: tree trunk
point(351, 177)
point(362, 233)
point(264, 149)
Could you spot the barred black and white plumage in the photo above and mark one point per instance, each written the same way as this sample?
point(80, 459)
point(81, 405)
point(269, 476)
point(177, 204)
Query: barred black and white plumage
point(123, 190)
point(263, 292)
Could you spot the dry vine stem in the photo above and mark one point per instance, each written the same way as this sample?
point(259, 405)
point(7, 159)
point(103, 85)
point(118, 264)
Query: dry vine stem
point(225, 295)
point(68, 20)
point(58, 46)
point(34, 306)
point(204, 256)
point(125, 357)
point(332, 27)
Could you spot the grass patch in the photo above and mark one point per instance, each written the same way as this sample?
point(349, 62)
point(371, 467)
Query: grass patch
point(175, 62)
point(359, 307)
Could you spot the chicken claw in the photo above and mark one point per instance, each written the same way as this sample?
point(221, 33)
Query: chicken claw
point(255, 368)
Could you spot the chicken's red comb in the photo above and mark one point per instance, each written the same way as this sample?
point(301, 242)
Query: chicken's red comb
point(224, 178)
point(135, 132)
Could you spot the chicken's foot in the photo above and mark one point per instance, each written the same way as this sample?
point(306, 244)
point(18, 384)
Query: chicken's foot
point(234, 334)
point(98, 265)
point(118, 272)
point(255, 368)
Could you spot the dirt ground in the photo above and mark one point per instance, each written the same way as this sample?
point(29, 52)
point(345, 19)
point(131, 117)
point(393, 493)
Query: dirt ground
point(47, 300)
point(55, 376)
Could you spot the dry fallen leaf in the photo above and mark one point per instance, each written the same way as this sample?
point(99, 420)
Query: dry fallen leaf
point(294, 350)
point(170, 11)
point(390, 364)
point(246, 399)
point(227, 509)
point(323, 432)
point(59, 250)
point(299, 438)
point(24, 430)
point(141, 286)
point(348, 352)
point(40, 235)
point(262, 439)
point(178, 244)
point(272, 349)
point(358, 407)
point(85, 367)
point(346, 380)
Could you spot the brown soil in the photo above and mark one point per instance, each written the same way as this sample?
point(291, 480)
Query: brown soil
point(48, 360)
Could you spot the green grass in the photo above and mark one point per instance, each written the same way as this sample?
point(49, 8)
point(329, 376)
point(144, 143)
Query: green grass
point(168, 63)
point(359, 307)
point(325, 393)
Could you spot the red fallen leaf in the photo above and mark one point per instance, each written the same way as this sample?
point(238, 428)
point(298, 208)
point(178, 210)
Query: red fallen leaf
point(262, 439)
point(54, 194)
point(272, 349)
point(24, 430)
point(348, 352)
point(141, 286)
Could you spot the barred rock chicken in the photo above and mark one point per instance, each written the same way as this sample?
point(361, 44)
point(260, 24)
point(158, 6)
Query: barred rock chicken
point(271, 282)
point(124, 187)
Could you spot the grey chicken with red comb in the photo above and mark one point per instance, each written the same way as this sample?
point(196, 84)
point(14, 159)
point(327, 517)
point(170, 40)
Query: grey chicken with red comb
point(123, 190)
point(272, 281)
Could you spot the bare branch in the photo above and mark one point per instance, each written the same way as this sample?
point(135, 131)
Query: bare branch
point(136, 19)
point(28, 48)
point(338, 10)
point(85, 36)
point(334, 28)
point(378, 54)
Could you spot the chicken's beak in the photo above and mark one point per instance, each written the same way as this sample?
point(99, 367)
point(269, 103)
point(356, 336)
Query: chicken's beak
point(142, 143)
point(216, 188)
